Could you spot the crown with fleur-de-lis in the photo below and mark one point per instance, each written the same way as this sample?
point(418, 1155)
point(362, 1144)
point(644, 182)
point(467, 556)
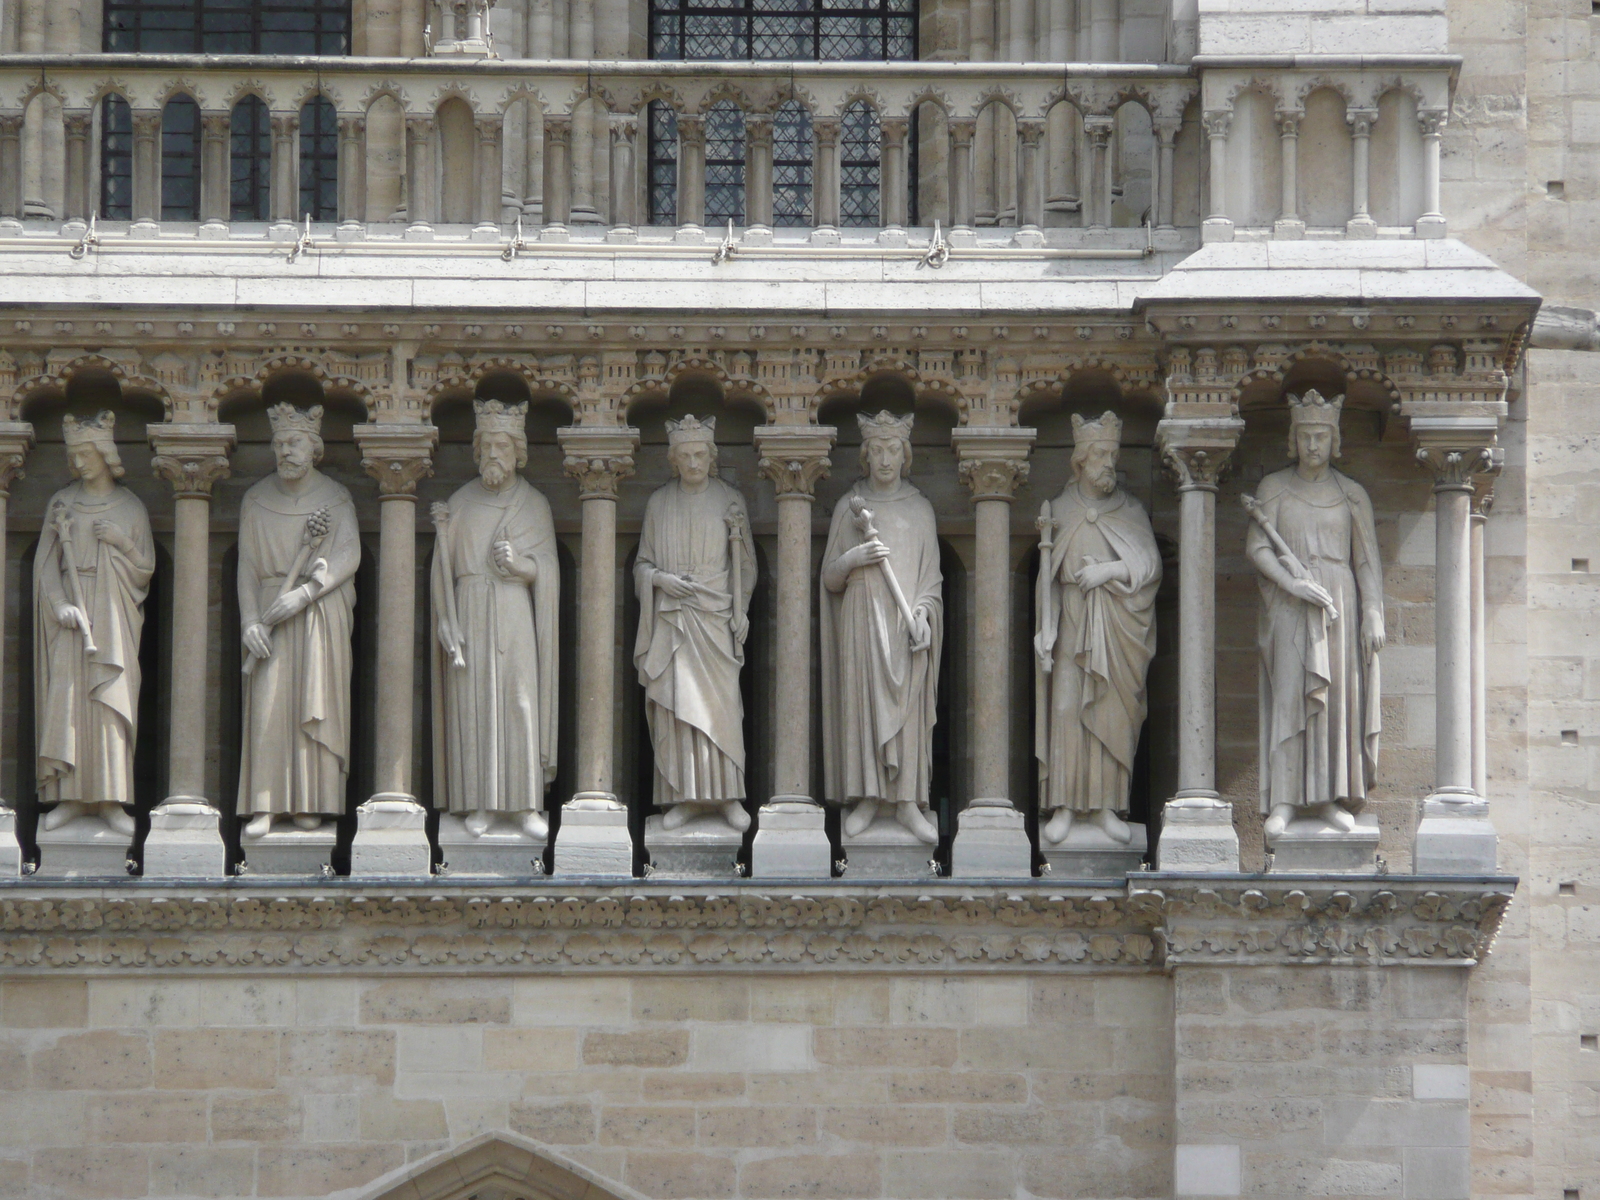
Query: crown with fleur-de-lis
point(286, 418)
point(495, 416)
point(1313, 409)
point(691, 429)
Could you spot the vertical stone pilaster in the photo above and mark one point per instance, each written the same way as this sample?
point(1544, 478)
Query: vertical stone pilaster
point(11, 168)
point(1431, 224)
point(147, 168)
point(419, 180)
point(691, 169)
point(185, 838)
point(1167, 131)
point(1218, 227)
point(791, 840)
point(962, 215)
point(991, 841)
point(758, 206)
point(1361, 224)
point(76, 127)
point(1289, 224)
point(1098, 130)
point(1030, 202)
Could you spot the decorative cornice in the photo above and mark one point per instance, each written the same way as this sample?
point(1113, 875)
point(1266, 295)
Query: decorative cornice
point(445, 926)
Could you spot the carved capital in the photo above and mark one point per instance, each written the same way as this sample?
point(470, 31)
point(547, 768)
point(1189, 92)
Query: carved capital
point(598, 458)
point(1099, 131)
point(993, 462)
point(1361, 121)
point(1218, 122)
point(16, 439)
point(794, 457)
point(1456, 469)
point(1031, 133)
point(894, 130)
point(191, 456)
point(1196, 452)
point(1456, 440)
point(397, 456)
point(1431, 121)
point(962, 133)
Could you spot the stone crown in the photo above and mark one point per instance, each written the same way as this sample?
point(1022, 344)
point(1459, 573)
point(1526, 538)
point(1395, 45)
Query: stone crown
point(97, 430)
point(691, 429)
point(286, 418)
point(494, 416)
point(1313, 409)
point(885, 424)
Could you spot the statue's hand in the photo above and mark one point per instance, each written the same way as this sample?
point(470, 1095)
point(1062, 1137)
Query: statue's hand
point(257, 640)
point(111, 533)
point(511, 566)
point(450, 638)
point(1099, 574)
point(287, 605)
point(70, 616)
point(675, 586)
point(1045, 657)
point(865, 554)
point(1373, 634)
point(1311, 592)
point(921, 629)
point(740, 625)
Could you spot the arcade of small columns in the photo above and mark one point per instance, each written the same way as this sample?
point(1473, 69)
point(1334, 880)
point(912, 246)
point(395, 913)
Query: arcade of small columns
point(1451, 393)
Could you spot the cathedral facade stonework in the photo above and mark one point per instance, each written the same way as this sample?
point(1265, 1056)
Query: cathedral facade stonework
point(936, 601)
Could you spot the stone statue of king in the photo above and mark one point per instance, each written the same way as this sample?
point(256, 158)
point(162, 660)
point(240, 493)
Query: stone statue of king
point(1320, 628)
point(496, 595)
point(882, 631)
point(695, 573)
point(1099, 570)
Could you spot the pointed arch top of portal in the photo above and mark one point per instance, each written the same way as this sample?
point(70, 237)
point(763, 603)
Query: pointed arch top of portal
point(493, 1166)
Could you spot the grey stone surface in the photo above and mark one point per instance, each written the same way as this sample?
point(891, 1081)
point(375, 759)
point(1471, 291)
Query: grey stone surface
point(1088, 853)
point(391, 839)
point(592, 842)
point(990, 843)
point(289, 851)
point(502, 852)
point(1455, 838)
point(1312, 845)
point(705, 848)
point(791, 842)
point(886, 849)
point(1197, 838)
point(185, 842)
point(83, 848)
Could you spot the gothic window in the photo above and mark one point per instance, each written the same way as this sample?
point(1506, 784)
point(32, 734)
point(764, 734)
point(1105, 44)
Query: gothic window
point(227, 26)
point(116, 159)
point(662, 163)
point(250, 153)
point(858, 165)
point(180, 160)
point(805, 30)
point(792, 157)
point(724, 126)
point(319, 160)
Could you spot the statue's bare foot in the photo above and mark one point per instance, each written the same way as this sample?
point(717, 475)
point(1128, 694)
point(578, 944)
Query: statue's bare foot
point(860, 817)
point(733, 812)
point(259, 826)
point(535, 825)
point(308, 821)
point(679, 815)
point(1113, 826)
point(1277, 822)
point(1059, 825)
point(117, 818)
point(915, 818)
point(478, 822)
point(67, 810)
point(1339, 817)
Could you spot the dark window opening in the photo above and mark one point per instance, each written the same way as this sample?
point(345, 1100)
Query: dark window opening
point(116, 159)
point(227, 26)
point(180, 160)
point(250, 159)
point(319, 160)
point(725, 165)
point(859, 143)
point(662, 162)
point(805, 30)
point(792, 158)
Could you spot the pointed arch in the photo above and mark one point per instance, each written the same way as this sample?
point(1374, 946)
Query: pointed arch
point(520, 1165)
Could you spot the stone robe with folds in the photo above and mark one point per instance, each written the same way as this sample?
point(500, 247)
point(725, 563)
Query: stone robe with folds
point(495, 737)
point(878, 697)
point(1320, 713)
point(1092, 704)
point(88, 707)
point(686, 654)
point(295, 756)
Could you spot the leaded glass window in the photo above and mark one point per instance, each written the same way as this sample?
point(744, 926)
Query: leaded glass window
point(250, 159)
point(116, 159)
point(792, 155)
point(180, 160)
point(662, 163)
point(319, 160)
point(805, 30)
point(858, 165)
point(724, 126)
point(227, 26)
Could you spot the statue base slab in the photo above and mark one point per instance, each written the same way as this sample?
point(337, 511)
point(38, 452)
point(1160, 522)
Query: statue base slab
point(1314, 846)
point(886, 849)
point(292, 852)
point(1089, 852)
point(1455, 837)
point(791, 841)
point(10, 848)
point(185, 841)
point(391, 839)
point(705, 848)
point(1197, 837)
point(594, 842)
point(991, 842)
point(503, 852)
point(83, 848)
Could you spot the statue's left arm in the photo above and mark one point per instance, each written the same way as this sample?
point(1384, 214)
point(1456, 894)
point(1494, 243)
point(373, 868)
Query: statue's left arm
point(1368, 568)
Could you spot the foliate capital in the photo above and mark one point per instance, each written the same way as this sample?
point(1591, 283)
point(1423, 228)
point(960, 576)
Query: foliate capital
point(1196, 452)
point(1457, 441)
point(191, 456)
point(794, 457)
point(396, 455)
point(599, 458)
point(16, 439)
point(993, 462)
point(1455, 469)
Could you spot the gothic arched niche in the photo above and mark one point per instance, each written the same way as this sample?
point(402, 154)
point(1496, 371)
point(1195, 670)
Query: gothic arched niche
point(496, 1166)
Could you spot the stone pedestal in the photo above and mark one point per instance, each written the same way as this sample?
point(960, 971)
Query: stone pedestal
point(886, 850)
point(84, 848)
point(391, 839)
point(1311, 846)
point(185, 842)
point(594, 841)
point(705, 848)
point(10, 848)
point(291, 852)
point(991, 842)
point(1197, 837)
point(791, 841)
point(1455, 837)
point(1088, 852)
point(504, 852)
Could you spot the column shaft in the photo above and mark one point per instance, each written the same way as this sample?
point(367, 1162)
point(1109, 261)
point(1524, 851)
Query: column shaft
point(961, 212)
point(623, 184)
point(597, 600)
point(1197, 640)
point(1167, 135)
point(758, 206)
point(147, 166)
point(1099, 130)
point(557, 172)
point(1217, 124)
point(352, 169)
point(893, 202)
point(11, 166)
point(419, 176)
point(1480, 650)
point(1289, 141)
point(16, 439)
point(489, 172)
point(76, 190)
point(991, 690)
point(1453, 638)
point(1030, 204)
point(792, 765)
point(691, 170)
point(191, 571)
point(1432, 130)
point(1361, 159)
point(825, 173)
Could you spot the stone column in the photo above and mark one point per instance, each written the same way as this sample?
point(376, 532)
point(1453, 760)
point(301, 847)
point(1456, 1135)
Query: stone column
point(1289, 224)
point(825, 174)
point(146, 168)
point(1361, 224)
point(1166, 139)
point(391, 838)
point(624, 186)
point(352, 175)
point(582, 29)
point(961, 211)
point(1482, 501)
point(1030, 201)
point(486, 201)
point(16, 439)
point(11, 168)
point(593, 838)
point(1217, 227)
point(992, 841)
point(1431, 224)
point(1099, 130)
point(419, 180)
point(77, 126)
point(893, 196)
point(758, 206)
point(1197, 824)
point(557, 172)
point(582, 210)
point(691, 170)
point(791, 840)
point(1455, 835)
point(216, 183)
point(185, 840)
point(285, 191)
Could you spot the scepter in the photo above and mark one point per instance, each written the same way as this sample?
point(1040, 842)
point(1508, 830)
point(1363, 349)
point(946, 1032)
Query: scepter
point(1286, 556)
point(63, 523)
point(863, 516)
point(735, 525)
point(441, 528)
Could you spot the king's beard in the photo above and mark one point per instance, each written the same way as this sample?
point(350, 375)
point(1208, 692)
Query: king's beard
point(492, 473)
point(293, 470)
point(1101, 482)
